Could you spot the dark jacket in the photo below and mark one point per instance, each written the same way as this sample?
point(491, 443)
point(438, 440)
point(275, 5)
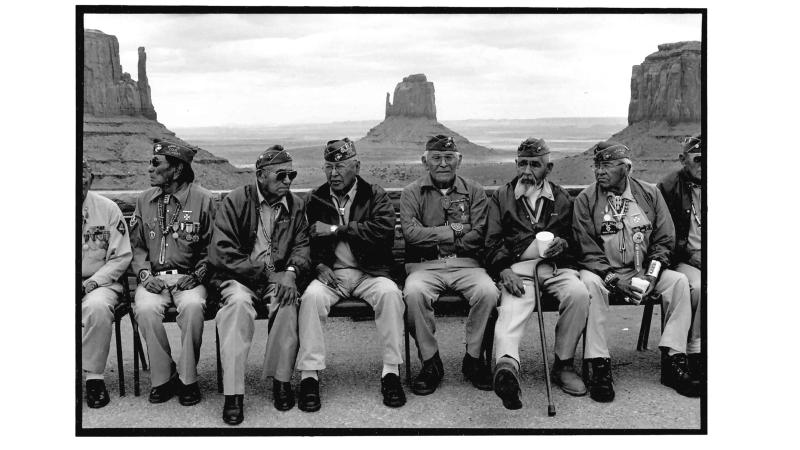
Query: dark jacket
point(235, 228)
point(369, 229)
point(509, 230)
point(587, 219)
point(678, 195)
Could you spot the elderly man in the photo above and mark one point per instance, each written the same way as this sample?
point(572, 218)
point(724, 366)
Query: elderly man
point(259, 251)
point(525, 206)
point(682, 191)
point(352, 231)
point(170, 232)
point(625, 234)
point(444, 221)
point(105, 255)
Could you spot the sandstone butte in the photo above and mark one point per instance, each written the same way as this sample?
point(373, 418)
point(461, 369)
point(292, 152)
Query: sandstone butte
point(664, 108)
point(119, 123)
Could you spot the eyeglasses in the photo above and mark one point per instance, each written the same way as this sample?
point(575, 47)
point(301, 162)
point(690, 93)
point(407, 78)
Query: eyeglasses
point(155, 162)
point(697, 159)
point(338, 166)
point(437, 159)
point(605, 166)
point(282, 174)
point(523, 163)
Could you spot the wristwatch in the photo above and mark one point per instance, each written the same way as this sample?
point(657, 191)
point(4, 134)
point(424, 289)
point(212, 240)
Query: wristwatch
point(292, 268)
point(334, 228)
point(143, 274)
point(458, 228)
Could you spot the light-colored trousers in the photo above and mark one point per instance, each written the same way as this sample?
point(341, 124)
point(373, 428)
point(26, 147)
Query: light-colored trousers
point(236, 325)
point(673, 288)
point(695, 287)
point(423, 287)
point(97, 318)
point(514, 312)
point(149, 311)
point(381, 293)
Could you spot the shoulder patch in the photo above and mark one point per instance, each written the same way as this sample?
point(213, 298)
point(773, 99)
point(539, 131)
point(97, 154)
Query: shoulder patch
point(121, 227)
point(133, 222)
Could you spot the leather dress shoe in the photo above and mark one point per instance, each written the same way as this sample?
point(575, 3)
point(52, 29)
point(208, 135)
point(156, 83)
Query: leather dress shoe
point(564, 376)
point(675, 374)
point(429, 376)
point(96, 394)
point(164, 392)
point(392, 390)
point(233, 411)
point(309, 400)
point(189, 394)
point(506, 385)
point(601, 383)
point(693, 364)
point(282, 395)
point(477, 372)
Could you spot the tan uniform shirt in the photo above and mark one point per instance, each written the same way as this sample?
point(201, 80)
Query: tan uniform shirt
point(269, 214)
point(619, 246)
point(693, 245)
point(344, 255)
point(105, 248)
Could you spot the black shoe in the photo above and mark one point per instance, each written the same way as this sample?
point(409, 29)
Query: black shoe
point(675, 374)
point(166, 391)
point(309, 395)
point(506, 385)
point(233, 411)
point(601, 384)
point(693, 363)
point(392, 390)
point(429, 376)
point(477, 372)
point(282, 395)
point(96, 394)
point(188, 394)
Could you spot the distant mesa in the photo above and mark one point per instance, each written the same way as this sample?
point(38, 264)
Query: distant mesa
point(119, 123)
point(413, 97)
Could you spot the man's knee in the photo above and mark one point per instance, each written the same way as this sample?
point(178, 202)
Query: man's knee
point(147, 307)
point(417, 292)
point(235, 296)
point(388, 293)
point(485, 294)
point(95, 306)
point(591, 280)
point(575, 295)
point(314, 298)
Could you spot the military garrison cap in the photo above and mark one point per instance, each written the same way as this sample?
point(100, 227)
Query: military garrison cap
point(441, 143)
point(273, 155)
point(694, 144)
point(339, 150)
point(181, 152)
point(609, 151)
point(533, 147)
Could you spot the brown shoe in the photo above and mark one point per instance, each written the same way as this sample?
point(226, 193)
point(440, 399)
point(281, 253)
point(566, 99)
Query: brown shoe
point(564, 376)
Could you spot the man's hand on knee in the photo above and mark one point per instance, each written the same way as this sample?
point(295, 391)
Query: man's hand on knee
point(153, 284)
point(187, 282)
point(512, 282)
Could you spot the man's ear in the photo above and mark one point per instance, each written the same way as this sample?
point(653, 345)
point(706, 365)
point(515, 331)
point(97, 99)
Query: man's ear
point(424, 161)
point(357, 167)
point(549, 168)
point(682, 158)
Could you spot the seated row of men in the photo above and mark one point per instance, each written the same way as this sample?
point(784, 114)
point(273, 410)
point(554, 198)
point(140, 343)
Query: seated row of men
point(263, 246)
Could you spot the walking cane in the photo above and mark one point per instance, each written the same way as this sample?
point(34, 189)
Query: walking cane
point(551, 408)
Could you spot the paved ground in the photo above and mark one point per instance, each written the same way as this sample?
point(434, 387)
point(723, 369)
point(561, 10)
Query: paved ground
point(350, 387)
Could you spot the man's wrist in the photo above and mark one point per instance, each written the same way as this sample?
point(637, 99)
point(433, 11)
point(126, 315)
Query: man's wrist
point(291, 268)
point(611, 280)
point(143, 275)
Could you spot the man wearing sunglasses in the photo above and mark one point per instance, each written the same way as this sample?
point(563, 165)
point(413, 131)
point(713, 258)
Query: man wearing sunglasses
point(170, 232)
point(352, 232)
point(525, 206)
point(105, 255)
point(444, 222)
point(625, 237)
point(682, 191)
point(260, 253)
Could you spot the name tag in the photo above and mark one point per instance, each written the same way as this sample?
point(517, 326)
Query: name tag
point(607, 228)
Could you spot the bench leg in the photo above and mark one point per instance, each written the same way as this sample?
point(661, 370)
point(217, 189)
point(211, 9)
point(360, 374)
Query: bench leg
point(118, 342)
point(644, 329)
point(137, 352)
point(219, 362)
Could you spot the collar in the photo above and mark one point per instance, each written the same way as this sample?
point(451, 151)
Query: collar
point(181, 195)
point(690, 180)
point(282, 201)
point(545, 190)
point(626, 194)
point(458, 184)
point(351, 194)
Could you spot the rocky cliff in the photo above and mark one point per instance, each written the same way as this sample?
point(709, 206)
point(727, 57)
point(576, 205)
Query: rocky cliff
point(664, 108)
point(119, 124)
point(413, 97)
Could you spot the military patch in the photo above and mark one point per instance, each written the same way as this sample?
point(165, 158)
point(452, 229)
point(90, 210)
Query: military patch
point(133, 222)
point(121, 227)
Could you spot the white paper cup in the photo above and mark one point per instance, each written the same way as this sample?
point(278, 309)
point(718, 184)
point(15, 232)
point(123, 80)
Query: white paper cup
point(640, 283)
point(543, 241)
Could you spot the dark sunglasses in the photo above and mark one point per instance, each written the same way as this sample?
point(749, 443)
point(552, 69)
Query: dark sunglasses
point(282, 174)
point(697, 159)
point(155, 162)
point(522, 163)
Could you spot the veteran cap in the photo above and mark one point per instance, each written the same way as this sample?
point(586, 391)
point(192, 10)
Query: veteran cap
point(86, 165)
point(532, 147)
point(609, 151)
point(271, 156)
point(441, 143)
point(181, 152)
point(693, 144)
point(339, 150)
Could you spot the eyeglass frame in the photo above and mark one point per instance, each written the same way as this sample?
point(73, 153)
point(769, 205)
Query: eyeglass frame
point(605, 165)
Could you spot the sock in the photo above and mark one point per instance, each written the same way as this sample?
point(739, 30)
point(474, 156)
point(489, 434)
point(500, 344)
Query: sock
point(93, 376)
point(390, 368)
point(308, 374)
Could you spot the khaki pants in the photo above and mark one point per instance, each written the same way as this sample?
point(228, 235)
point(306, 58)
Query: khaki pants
point(674, 291)
point(695, 334)
point(236, 325)
point(423, 287)
point(149, 311)
point(514, 312)
point(381, 293)
point(97, 317)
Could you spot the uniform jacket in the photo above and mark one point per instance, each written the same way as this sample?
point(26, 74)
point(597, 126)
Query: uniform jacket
point(369, 230)
point(587, 219)
point(184, 252)
point(106, 249)
point(235, 228)
point(423, 218)
point(509, 230)
point(678, 195)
